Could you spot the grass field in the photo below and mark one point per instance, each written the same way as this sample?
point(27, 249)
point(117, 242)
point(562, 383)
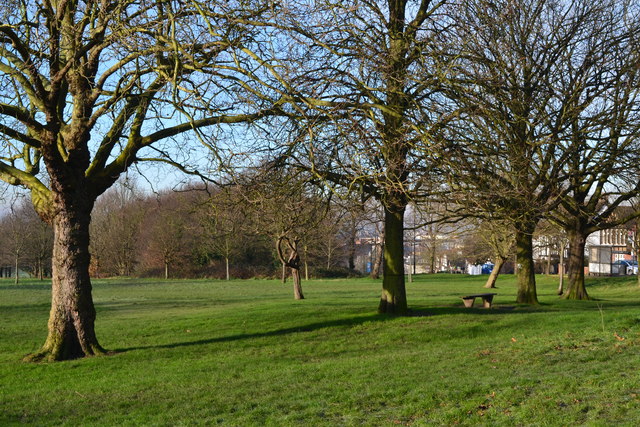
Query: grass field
point(245, 353)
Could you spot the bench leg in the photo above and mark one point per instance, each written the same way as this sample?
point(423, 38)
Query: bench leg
point(486, 301)
point(468, 302)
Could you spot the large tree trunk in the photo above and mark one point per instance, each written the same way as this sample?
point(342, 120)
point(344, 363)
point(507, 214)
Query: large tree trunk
point(524, 261)
point(71, 320)
point(491, 281)
point(576, 288)
point(394, 298)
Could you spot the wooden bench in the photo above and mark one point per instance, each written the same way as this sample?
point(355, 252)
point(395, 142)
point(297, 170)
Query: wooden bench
point(487, 299)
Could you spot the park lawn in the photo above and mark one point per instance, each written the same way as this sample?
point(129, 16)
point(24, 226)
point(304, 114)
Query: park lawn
point(242, 353)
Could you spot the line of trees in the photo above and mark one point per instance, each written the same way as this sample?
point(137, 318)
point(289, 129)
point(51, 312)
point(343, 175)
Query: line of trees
point(26, 242)
point(514, 111)
point(196, 231)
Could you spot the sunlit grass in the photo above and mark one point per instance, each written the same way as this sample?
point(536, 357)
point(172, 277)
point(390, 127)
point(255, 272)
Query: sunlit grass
point(245, 353)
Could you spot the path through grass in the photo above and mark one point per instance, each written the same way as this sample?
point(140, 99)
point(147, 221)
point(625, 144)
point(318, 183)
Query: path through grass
point(245, 353)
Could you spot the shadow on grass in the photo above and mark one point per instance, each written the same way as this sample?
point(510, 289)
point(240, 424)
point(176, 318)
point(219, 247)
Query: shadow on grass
point(511, 307)
point(452, 310)
point(350, 322)
point(417, 311)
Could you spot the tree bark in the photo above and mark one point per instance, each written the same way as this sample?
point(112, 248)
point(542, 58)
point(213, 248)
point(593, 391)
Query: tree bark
point(576, 288)
point(297, 286)
point(292, 262)
point(524, 260)
point(72, 317)
point(491, 281)
point(226, 262)
point(394, 298)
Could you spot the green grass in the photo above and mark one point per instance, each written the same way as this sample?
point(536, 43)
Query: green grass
point(245, 353)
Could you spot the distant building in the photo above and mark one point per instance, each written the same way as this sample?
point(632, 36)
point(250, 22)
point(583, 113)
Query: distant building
point(424, 252)
point(607, 249)
point(546, 253)
point(607, 252)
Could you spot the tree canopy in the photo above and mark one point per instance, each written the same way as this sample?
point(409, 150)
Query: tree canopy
point(89, 88)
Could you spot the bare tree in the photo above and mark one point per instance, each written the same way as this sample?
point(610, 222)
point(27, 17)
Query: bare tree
point(519, 79)
point(115, 229)
point(163, 238)
point(292, 261)
point(40, 242)
point(41, 248)
point(285, 204)
point(603, 123)
point(17, 235)
point(90, 89)
point(365, 109)
point(434, 232)
point(328, 238)
point(632, 224)
point(500, 238)
point(221, 224)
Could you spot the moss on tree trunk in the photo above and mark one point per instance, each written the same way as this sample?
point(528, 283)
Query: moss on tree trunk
point(394, 297)
point(524, 259)
point(71, 332)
